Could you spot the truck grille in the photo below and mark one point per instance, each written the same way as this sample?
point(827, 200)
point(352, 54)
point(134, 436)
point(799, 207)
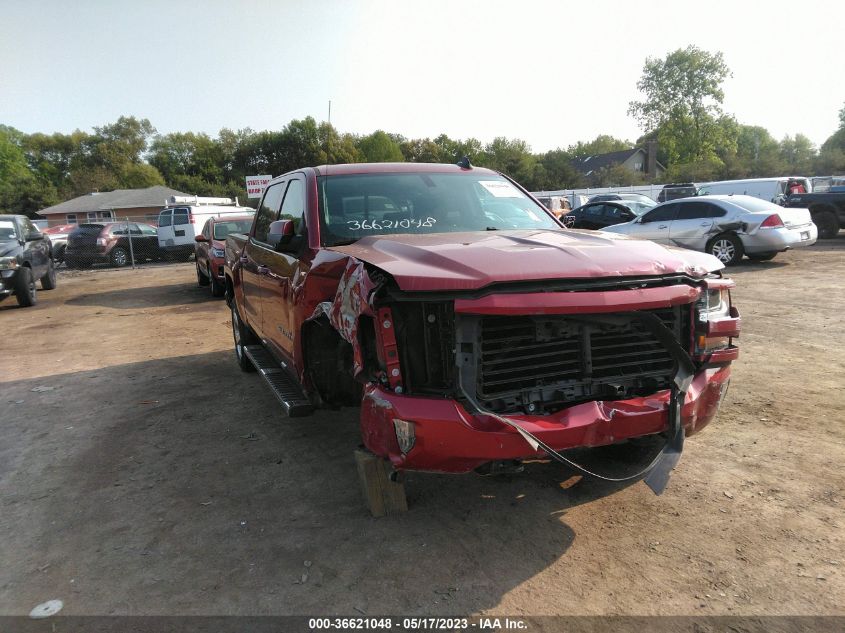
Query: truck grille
point(557, 360)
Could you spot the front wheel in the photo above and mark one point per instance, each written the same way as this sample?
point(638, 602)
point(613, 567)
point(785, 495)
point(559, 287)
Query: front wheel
point(218, 288)
point(243, 336)
point(25, 288)
point(761, 257)
point(202, 279)
point(48, 281)
point(727, 248)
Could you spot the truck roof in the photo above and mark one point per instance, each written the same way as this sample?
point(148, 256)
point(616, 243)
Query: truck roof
point(384, 168)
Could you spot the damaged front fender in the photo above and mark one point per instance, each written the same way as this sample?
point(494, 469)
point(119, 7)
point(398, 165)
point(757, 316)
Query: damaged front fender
point(352, 300)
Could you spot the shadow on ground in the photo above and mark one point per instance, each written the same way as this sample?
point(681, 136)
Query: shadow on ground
point(176, 486)
point(146, 297)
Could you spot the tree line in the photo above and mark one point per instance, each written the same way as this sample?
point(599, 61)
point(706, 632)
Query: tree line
point(680, 110)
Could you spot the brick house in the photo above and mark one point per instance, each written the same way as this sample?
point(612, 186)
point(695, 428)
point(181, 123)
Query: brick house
point(138, 204)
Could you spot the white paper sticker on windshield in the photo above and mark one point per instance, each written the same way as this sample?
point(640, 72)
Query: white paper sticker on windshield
point(500, 188)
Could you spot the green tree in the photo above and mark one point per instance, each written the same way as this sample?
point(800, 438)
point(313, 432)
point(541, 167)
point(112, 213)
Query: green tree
point(558, 172)
point(602, 144)
point(798, 155)
point(379, 147)
point(683, 97)
point(140, 176)
point(21, 190)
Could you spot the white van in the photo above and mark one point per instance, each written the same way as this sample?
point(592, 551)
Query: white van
point(184, 218)
point(769, 189)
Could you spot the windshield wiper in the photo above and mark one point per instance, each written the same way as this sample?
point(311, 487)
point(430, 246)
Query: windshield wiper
point(346, 242)
point(492, 228)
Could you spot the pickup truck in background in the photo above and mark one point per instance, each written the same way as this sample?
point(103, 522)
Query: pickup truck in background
point(25, 258)
point(470, 327)
point(826, 209)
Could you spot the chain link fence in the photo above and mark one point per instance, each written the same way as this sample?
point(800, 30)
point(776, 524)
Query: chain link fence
point(123, 241)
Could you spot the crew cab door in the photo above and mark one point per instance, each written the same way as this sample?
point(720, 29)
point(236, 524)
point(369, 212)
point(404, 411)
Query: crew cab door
point(654, 225)
point(255, 259)
point(36, 251)
point(694, 224)
point(285, 271)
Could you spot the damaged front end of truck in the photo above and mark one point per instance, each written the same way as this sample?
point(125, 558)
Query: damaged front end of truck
point(456, 380)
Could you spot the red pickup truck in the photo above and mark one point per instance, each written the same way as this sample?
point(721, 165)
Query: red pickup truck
point(471, 328)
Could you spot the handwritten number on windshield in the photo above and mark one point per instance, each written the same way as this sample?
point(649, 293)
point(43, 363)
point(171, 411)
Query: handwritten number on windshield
point(378, 225)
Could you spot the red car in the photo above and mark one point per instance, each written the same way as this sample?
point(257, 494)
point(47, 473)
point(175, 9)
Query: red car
point(209, 249)
point(472, 329)
point(58, 238)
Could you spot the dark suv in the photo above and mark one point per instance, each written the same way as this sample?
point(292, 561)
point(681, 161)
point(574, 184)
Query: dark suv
point(25, 257)
point(112, 242)
point(677, 190)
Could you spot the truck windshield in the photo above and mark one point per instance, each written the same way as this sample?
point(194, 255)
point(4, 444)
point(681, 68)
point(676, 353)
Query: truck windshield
point(353, 206)
point(222, 229)
point(7, 231)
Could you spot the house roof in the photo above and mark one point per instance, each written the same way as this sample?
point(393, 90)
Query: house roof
point(117, 199)
point(589, 164)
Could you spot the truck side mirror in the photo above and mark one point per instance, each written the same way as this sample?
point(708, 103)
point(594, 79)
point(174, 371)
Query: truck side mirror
point(200, 238)
point(281, 232)
point(34, 236)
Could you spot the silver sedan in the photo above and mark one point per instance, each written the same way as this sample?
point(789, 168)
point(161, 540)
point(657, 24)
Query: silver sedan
point(725, 226)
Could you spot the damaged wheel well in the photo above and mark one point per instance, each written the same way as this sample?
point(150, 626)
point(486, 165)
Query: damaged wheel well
point(328, 364)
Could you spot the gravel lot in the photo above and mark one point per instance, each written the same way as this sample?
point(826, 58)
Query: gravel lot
point(142, 473)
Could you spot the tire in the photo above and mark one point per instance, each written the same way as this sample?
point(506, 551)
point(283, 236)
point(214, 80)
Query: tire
point(727, 248)
point(761, 257)
point(25, 288)
point(827, 223)
point(218, 288)
point(243, 336)
point(202, 279)
point(119, 257)
point(48, 281)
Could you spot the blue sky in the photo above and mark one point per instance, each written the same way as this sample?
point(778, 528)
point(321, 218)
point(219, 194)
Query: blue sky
point(551, 73)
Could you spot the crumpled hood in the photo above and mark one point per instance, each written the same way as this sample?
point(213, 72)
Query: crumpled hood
point(7, 249)
point(467, 261)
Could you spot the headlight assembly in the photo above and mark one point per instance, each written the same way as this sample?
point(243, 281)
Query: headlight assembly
point(8, 263)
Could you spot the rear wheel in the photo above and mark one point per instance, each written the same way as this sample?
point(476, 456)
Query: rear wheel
point(761, 257)
point(48, 281)
point(827, 223)
point(202, 279)
point(243, 336)
point(727, 248)
point(25, 288)
point(119, 256)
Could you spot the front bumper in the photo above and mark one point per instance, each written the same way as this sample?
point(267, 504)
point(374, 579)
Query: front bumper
point(777, 240)
point(449, 439)
point(7, 282)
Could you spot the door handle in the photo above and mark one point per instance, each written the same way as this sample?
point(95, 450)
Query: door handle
point(263, 270)
point(663, 226)
point(705, 224)
point(244, 259)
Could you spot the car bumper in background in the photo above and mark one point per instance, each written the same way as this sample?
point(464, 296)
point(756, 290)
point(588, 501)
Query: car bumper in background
point(447, 438)
point(776, 240)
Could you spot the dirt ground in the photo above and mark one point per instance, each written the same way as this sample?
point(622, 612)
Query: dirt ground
point(142, 473)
